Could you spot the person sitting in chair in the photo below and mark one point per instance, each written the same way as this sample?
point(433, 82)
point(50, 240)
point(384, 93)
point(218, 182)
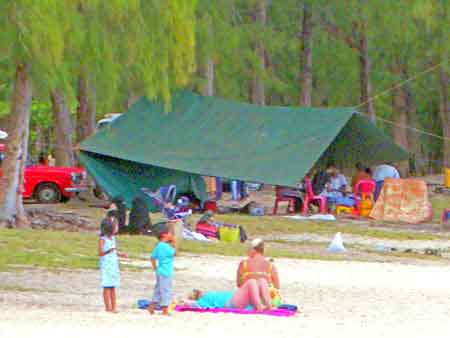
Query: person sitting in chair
point(361, 174)
point(337, 184)
point(320, 181)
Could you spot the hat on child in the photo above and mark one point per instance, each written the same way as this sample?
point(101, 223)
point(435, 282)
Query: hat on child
point(256, 242)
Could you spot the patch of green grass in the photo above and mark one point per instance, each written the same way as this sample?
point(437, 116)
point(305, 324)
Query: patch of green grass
point(76, 250)
point(260, 226)
point(439, 203)
point(272, 225)
point(60, 249)
point(237, 249)
point(72, 250)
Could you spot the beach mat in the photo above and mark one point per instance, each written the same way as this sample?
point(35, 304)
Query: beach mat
point(273, 312)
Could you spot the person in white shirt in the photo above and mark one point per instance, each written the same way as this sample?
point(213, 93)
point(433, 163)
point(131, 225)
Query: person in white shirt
point(380, 174)
point(336, 186)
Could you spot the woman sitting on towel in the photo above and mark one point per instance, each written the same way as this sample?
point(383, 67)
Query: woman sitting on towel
point(256, 266)
point(253, 294)
point(254, 277)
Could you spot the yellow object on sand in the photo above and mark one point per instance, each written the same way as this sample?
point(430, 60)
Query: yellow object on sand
point(172, 306)
point(275, 295)
point(447, 177)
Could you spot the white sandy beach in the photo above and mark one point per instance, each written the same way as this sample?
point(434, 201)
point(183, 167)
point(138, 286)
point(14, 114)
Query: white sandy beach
point(337, 299)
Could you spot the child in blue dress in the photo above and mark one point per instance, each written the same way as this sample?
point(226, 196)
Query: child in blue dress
point(109, 264)
point(162, 263)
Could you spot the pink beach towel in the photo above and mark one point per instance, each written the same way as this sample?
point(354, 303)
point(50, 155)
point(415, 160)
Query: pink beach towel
point(273, 312)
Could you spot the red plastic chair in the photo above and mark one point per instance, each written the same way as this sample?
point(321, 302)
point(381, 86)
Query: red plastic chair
point(280, 198)
point(311, 198)
point(364, 189)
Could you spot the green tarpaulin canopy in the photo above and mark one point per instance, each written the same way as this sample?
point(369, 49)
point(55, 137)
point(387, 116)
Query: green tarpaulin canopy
point(216, 137)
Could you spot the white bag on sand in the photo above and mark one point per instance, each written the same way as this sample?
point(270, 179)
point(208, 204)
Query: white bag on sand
point(337, 244)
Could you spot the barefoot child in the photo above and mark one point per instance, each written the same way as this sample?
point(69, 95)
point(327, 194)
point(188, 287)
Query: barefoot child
point(162, 263)
point(109, 264)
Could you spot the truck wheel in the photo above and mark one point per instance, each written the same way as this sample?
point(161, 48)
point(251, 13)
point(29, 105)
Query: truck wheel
point(48, 193)
point(65, 199)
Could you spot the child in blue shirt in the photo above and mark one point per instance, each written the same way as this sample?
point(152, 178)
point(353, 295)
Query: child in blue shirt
point(162, 263)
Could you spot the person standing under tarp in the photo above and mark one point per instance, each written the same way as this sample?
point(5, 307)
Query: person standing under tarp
point(219, 188)
point(235, 190)
point(139, 219)
point(211, 186)
point(380, 174)
point(238, 190)
point(118, 204)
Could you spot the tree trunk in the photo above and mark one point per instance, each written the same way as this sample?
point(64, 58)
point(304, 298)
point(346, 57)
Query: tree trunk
point(258, 92)
point(306, 76)
point(22, 218)
point(12, 212)
point(400, 107)
point(400, 134)
point(361, 45)
point(86, 109)
point(207, 72)
point(413, 138)
point(64, 155)
point(364, 76)
point(39, 142)
point(444, 113)
point(132, 98)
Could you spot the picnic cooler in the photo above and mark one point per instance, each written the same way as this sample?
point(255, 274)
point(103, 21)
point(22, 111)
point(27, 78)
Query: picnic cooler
point(229, 234)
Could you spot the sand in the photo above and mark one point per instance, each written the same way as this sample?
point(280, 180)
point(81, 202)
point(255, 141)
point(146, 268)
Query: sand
point(337, 299)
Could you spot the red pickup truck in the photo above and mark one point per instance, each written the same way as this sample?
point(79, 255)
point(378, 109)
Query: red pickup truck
point(51, 184)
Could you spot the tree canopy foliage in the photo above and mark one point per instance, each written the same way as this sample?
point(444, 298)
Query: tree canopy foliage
point(150, 47)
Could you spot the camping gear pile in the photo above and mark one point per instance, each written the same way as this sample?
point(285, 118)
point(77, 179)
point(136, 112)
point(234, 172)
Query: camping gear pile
point(164, 199)
point(212, 229)
point(176, 213)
